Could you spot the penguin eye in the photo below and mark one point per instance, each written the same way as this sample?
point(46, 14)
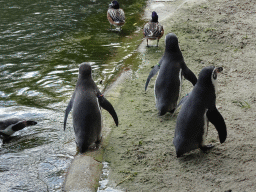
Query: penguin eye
point(214, 75)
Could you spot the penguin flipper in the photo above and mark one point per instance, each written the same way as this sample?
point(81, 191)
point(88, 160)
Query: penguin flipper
point(217, 120)
point(188, 74)
point(183, 99)
point(151, 74)
point(68, 109)
point(105, 104)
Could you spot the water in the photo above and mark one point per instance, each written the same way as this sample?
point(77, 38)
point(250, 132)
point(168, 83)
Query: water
point(42, 43)
point(104, 180)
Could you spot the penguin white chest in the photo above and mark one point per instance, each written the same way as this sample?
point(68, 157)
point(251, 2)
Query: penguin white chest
point(214, 81)
point(180, 78)
point(205, 128)
point(8, 131)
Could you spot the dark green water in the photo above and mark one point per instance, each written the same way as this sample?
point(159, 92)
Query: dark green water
point(42, 43)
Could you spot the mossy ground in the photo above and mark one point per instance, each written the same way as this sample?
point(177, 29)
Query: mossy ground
point(140, 151)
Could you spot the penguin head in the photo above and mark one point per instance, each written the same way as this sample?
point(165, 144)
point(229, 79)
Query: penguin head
point(114, 5)
point(85, 70)
point(208, 77)
point(215, 72)
point(214, 77)
point(171, 42)
point(154, 17)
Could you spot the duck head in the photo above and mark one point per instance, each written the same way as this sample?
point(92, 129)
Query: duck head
point(154, 17)
point(114, 5)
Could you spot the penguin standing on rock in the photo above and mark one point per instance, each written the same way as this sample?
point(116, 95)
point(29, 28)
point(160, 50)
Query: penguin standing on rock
point(171, 69)
point(198, 109)
point(10, 126)
point(86, 102)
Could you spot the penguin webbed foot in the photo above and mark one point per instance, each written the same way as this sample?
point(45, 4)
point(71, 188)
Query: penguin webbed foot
point(172, 111)
point(164, 111)
point(206, 148)
point(179, 155)
point(99, 140)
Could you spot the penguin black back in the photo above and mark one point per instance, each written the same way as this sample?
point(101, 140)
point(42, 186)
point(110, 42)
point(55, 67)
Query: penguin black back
point(171, 69)
point(86, 102)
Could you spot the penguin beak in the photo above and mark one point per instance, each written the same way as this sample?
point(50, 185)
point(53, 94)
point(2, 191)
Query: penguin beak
point(219, 69)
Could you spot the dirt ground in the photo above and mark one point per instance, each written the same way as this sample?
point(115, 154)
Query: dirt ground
point(140, 151)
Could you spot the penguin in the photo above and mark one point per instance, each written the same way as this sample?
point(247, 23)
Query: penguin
point(197, 110)
point(86, 102)
point(168, 83)
point(10, 126)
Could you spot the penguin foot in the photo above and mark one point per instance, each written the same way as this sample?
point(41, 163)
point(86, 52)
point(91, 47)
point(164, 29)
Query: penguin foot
point(205, 148)
point(99, 140)
point(162, 112)
point(179, 155)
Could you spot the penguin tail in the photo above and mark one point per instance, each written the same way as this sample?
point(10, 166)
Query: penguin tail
point(178, 155)
point(162, 112)
point(161, 108)
point(83, 148)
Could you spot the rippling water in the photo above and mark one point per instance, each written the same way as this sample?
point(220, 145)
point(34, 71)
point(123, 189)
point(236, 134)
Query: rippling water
point(42, 43)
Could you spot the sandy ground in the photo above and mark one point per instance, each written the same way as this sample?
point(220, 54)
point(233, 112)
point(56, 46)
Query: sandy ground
point(140, 151)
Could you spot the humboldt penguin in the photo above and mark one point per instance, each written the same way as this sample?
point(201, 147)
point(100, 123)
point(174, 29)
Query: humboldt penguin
point(168, 82)
point(197, 110)
point(86, 102)
point(10, 126)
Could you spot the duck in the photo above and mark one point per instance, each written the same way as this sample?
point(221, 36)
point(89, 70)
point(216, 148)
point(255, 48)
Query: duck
point(115, 15)
point(10, 126)
point(153, 30)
